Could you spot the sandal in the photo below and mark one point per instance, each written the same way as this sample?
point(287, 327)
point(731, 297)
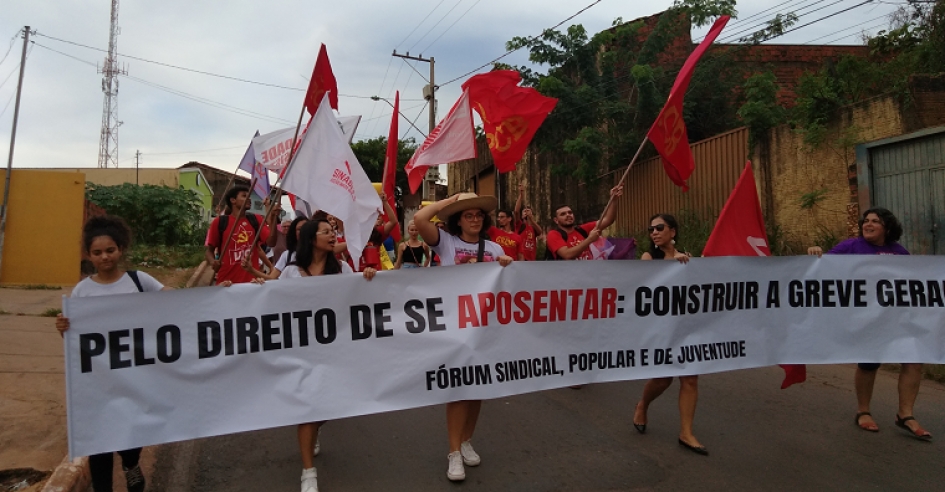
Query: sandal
point(920, 433)
point(869, 427)
point(641, 428)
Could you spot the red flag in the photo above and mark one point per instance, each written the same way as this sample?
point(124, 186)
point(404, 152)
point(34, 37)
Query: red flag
point(740, 231)
point(668, 132)
point(390, 162)
point(322, 80)
point(510, 114)
point(452, 140)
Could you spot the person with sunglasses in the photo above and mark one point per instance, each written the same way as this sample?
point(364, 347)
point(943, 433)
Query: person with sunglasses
point(663, 231)
point(567, 241)
point(464, 240)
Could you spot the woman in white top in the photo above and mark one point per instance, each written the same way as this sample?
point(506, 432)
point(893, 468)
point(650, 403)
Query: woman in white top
point(315, 256)
point(291, 243)
point(105, 240)
point(465, 240)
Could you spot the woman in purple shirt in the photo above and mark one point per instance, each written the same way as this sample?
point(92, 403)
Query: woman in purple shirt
point(879, 233)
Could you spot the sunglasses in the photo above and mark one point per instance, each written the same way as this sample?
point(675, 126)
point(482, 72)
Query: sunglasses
point(657, 227)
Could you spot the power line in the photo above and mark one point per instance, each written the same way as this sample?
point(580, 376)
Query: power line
point(853, 33)
point(735, 35)
point(827, 16)
point(507, 53)
point(192, 70)
point(219, 105)
point(450, 26)
point(12, 42)
point(448, 12)
point(194, 151)
point(851, 27)
point(420, 23)
point(740, 23)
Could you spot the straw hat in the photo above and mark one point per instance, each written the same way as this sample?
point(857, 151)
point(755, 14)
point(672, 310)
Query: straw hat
point(468, 201)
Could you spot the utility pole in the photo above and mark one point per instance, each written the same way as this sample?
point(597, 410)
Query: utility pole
point(137, 159)
point(108, 143)
point(4, 211)
point(429, 93)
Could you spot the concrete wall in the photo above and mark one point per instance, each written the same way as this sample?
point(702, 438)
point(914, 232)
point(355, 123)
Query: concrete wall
point(113, 177)
point(44, 228)
point(192, 179)
point(787, 169)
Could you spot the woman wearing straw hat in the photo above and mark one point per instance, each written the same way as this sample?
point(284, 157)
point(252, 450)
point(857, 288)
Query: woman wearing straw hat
point(465, 240)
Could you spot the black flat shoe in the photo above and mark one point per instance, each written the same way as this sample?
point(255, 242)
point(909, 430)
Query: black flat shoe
point(641, 428)
point(701, 450)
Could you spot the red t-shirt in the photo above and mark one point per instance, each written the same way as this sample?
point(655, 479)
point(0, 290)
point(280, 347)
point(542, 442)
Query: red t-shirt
point(529, 244)
point(511, 242)
point(371, 255)
point(556, 242)
point(243, 239)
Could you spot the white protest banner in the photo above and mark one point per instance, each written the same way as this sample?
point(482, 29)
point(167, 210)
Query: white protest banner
point(158, 367)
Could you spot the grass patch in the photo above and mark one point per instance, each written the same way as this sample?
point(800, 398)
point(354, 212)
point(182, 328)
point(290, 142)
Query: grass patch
point(34, 287)
point(184, 256)
point(51, 312)
point(4, 311)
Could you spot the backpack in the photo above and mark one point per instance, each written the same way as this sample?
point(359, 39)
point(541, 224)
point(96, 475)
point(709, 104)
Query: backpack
point(549, 255)
point(134, 278)
point(224, 221)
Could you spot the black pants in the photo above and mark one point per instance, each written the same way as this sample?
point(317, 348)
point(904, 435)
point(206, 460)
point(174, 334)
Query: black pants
point(101, 467)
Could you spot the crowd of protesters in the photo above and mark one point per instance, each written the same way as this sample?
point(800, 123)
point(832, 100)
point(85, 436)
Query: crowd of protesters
point(457, 230)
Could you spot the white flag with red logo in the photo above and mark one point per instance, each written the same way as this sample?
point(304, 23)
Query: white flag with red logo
point(272, 149)
point(326, 174)
point(451, 141)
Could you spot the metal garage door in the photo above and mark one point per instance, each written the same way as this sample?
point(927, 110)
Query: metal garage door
point(908, 178)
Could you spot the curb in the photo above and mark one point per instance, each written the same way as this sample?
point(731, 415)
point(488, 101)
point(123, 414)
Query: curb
point(70, 476)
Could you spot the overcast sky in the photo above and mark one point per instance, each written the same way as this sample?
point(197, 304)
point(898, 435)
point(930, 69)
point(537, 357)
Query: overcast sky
point(173, 116)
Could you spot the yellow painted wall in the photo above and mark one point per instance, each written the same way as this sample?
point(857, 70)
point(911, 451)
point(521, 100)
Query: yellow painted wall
point(42, 244)
point(112, 176)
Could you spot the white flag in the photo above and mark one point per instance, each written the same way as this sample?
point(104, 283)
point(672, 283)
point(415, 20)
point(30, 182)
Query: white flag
point(452, 140)
point(326, 174)
point(272, 149)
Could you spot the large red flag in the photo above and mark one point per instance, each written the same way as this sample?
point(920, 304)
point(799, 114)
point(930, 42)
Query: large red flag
point(668, 132)
point(390, 162)
point(323, 80)
point(452, 140)
point(510, 114)
point(740, 231)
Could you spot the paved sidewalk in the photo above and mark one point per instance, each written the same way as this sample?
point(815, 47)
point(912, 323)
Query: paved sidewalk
point(32, 386)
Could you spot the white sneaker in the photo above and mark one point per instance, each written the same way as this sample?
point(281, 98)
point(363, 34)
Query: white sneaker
point(455, 472)
point(470, 457)
point(309, 480)
point(318, 443)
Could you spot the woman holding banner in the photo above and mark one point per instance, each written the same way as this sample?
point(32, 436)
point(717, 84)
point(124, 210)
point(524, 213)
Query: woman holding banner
point(464, 240)
point(105, 240)
point(315, 256)
point(663, 231)
point(879, 235)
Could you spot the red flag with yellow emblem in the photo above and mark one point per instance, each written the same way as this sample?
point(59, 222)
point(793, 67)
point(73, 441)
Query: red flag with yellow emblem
point(510, 114)
point(668, 132)
point(323, 80)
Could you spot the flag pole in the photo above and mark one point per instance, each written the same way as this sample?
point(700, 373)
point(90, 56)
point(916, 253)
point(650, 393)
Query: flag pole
point(273, 200)
point(219, 206)
point(622, 178)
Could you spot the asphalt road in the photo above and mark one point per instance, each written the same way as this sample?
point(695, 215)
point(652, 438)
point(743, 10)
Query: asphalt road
point(759, 437)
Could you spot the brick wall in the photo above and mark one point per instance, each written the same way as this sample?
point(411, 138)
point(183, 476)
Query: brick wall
point(788, 169)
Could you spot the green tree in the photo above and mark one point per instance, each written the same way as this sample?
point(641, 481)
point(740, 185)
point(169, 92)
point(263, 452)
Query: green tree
point(610, 86)
point(371, 153)
point(157, 215)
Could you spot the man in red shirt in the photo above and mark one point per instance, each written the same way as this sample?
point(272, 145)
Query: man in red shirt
point(568, 241)
point(526, 227)
point(503, 236)
point(228, 264)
